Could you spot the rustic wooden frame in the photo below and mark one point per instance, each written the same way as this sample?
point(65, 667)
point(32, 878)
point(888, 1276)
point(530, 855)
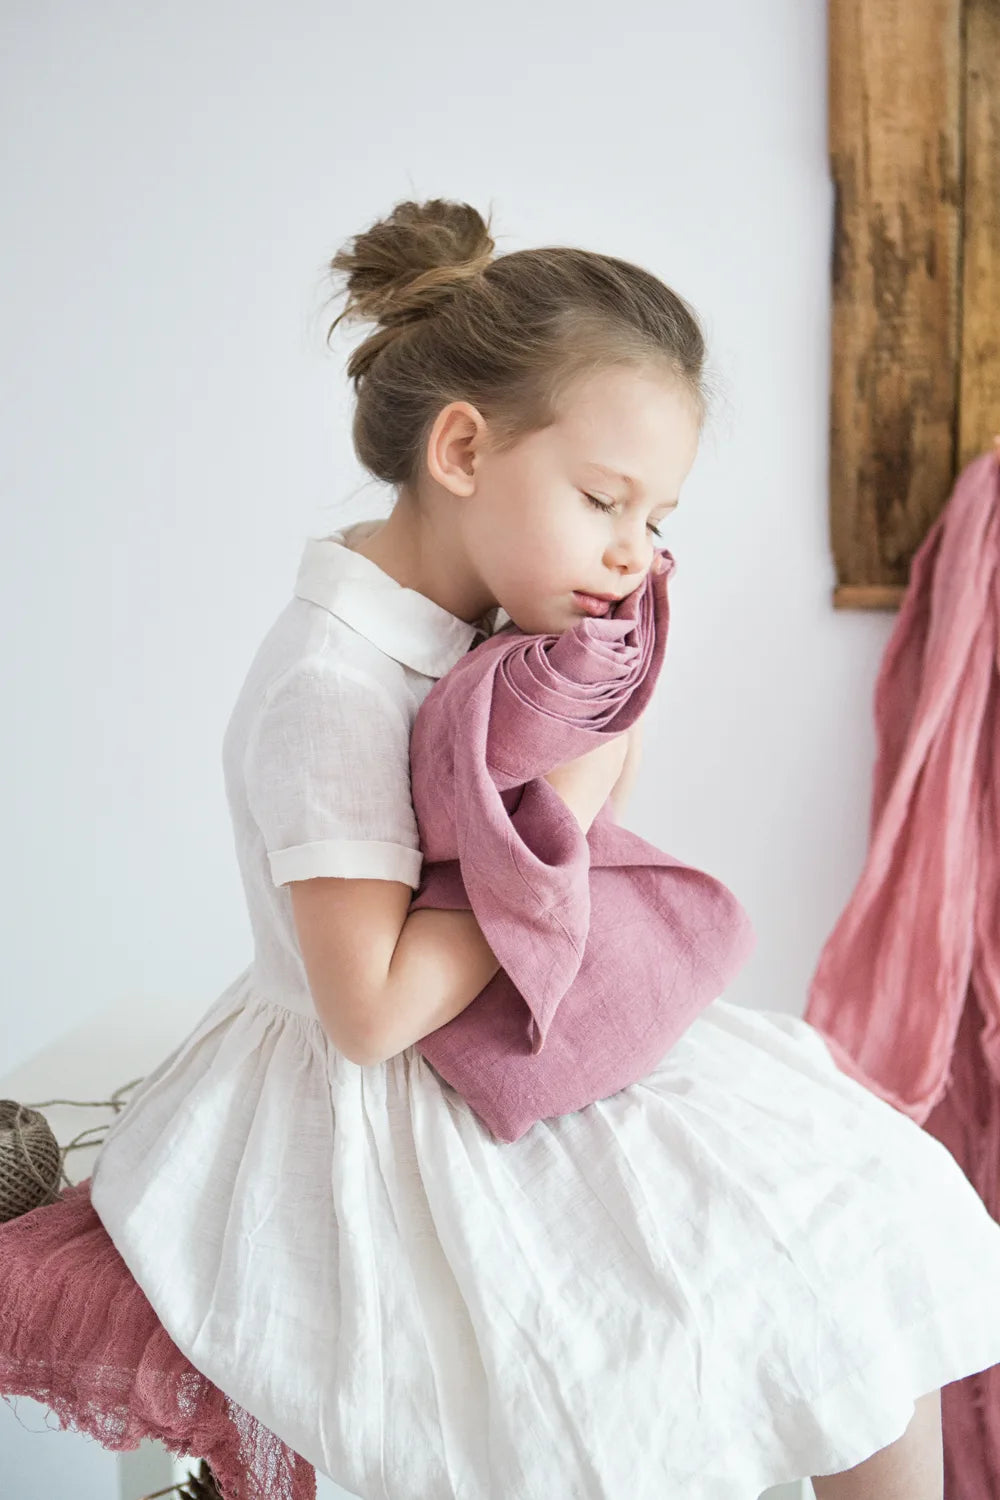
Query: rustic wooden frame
point(914, 145)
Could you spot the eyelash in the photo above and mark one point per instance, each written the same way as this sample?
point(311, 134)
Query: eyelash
point(602, 506)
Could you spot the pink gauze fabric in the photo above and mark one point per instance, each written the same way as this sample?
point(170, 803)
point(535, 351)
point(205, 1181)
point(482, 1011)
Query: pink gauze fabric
point(922, 926)
point(907, 990)
point(608, 947)
point(78, 1334)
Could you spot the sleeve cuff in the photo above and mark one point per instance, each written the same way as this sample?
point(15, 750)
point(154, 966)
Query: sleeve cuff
point(358, 859)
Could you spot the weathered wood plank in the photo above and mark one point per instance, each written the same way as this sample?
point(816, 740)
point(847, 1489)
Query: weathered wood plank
point(979, 388)
point(895, 90)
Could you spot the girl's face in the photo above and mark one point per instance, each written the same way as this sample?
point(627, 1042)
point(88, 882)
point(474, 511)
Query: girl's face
point(548, 518)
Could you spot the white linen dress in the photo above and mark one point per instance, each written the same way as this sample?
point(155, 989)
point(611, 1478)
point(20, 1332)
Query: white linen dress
point(740, 1271)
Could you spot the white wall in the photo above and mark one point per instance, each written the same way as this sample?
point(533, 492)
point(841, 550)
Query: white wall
point(173, 428)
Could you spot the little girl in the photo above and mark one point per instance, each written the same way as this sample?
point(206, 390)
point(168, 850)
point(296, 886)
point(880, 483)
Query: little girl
point(743, 1270)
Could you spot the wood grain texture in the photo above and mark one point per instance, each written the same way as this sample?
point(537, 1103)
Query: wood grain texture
point(979, 386)
point(896, 89)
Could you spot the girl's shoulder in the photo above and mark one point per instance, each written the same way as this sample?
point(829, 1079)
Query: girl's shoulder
point(310, 649)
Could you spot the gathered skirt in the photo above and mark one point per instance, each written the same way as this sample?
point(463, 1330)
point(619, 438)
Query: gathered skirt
point(740, 1271)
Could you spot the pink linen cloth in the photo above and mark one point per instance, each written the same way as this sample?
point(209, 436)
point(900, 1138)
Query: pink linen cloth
point(907, 989)
point(609, 948)
point(78, 1334)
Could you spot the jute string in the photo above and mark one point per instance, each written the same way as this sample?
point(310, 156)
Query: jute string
point(32, 1163)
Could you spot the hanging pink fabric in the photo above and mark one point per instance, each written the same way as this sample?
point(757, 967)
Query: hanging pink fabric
point(907, 990)
point(78, 1334)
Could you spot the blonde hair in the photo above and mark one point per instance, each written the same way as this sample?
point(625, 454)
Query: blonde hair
point(509, 334)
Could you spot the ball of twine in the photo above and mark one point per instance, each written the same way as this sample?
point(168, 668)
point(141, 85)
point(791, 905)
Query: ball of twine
point(32, 1163)
point(30, 1160)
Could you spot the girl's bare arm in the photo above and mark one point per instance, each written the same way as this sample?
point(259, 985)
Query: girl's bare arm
point(622, 789)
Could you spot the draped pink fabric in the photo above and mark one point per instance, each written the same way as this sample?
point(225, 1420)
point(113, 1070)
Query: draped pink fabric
point(907, 990)
point(609, 948)
point(78, 1334)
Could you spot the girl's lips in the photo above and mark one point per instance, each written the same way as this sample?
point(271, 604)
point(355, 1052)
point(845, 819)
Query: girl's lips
point(591, 604)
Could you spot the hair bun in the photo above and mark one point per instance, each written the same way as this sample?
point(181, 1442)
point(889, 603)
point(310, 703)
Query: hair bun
point(401, 268)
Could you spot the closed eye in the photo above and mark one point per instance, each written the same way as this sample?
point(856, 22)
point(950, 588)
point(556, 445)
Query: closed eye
point(602, 506)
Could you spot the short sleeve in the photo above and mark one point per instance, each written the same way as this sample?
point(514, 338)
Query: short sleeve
point(327, 776)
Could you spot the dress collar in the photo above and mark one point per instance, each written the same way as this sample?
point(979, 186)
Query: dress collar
point(400, 621)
